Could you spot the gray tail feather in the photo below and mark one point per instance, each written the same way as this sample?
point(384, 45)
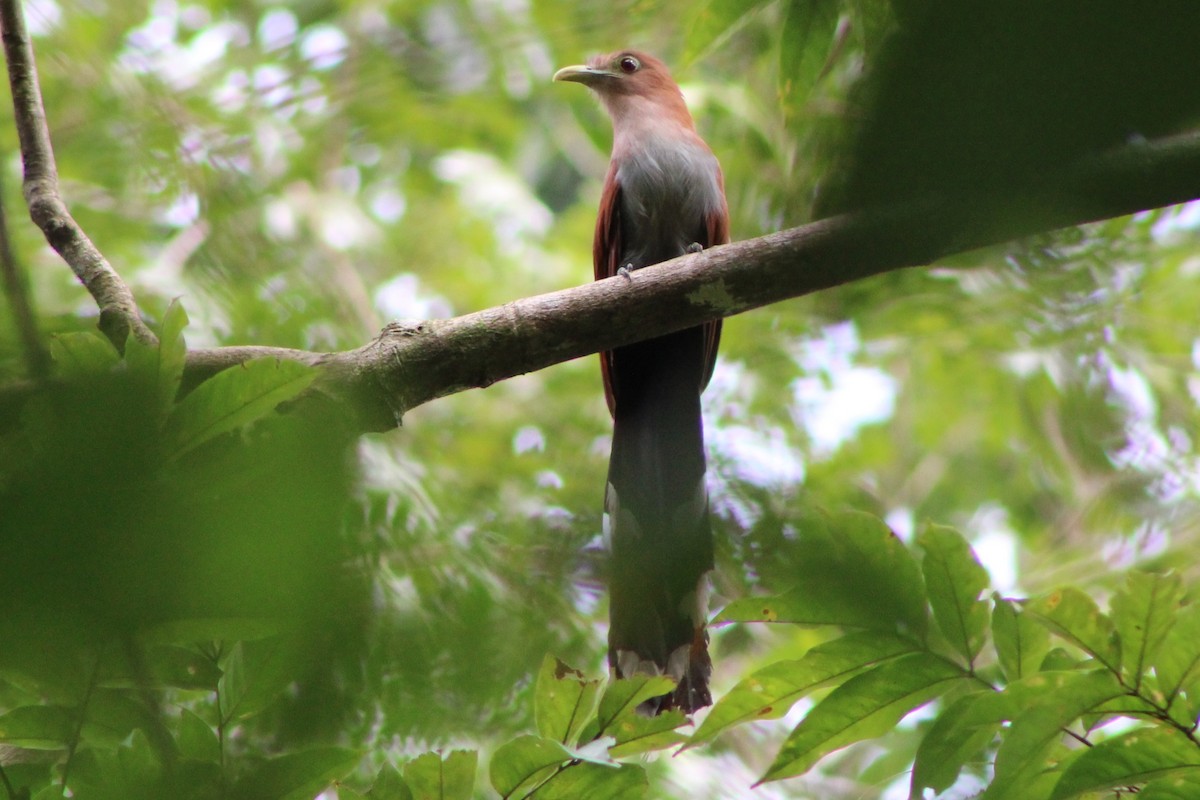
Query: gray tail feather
point(660, 536)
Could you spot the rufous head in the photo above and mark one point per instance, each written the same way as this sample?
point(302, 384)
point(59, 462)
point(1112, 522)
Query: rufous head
point(626, 80)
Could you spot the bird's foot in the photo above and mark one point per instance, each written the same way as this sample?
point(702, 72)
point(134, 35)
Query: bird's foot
point(626, 272)
point(694, 247)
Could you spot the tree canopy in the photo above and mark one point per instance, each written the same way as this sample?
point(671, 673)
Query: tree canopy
point(952, 459)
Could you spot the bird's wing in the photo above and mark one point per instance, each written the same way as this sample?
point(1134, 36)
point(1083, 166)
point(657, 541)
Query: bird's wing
point(716, 226)
point(606, 253)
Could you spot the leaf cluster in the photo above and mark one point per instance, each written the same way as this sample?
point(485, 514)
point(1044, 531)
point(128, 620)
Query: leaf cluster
point(172, 566)
point(1021, 694)
point(1023, 714)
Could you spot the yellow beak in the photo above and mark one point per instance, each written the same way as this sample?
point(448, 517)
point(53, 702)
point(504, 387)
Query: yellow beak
point(579, 73)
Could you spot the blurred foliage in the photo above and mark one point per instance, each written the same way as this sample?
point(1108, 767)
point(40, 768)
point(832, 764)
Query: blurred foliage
point(228, 595)
point(971, 97)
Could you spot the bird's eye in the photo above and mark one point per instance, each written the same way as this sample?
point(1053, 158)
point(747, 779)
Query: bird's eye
point(629, 64)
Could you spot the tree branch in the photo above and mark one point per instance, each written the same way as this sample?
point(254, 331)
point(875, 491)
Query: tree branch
point(412, 363)
point(118, 312)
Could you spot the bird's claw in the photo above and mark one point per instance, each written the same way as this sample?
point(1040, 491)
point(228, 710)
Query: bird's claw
point(626, 272)
point(694, 247)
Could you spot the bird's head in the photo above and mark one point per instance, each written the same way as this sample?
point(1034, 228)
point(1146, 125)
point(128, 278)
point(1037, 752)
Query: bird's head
point(626, 81)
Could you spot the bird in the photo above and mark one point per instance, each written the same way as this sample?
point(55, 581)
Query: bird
point(663, 196)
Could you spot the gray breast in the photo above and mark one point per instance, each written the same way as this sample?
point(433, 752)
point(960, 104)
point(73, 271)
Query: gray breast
point(668, 190)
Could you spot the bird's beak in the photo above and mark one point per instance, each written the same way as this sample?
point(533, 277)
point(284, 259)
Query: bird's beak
point(580, 73)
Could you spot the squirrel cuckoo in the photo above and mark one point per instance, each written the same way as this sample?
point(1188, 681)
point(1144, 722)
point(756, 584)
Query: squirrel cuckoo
point(663, 196)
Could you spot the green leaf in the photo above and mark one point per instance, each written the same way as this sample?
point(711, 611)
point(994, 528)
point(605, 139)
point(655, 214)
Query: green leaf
point(160, 367)
point(563, 701)
point(1123, 706)
point(37, 727)
point(1059, 658)
point(958, 734)
point(1020, 642)
point(234, 398)
point(389, 786)
point(520, 765)
point(595, 750)
point(1177, 665)
point(808, 36)
point(83, 354)
point(163, 666)
point(180, 668)
point(1140, 756)
point(638, 734)
point(865, 706)
point(955, 581)
point(1073, 615)
point(130, 769)
point(1144, 611)
point(430, 777)
point(139, 763)
point(712, 22)
point(622, 697)
point(51, 792)
point(1176, 787)
point(1021, 758)
point(596, 782)
point(770, 692)
point(197, 740)
point(256, 673)
point(856, 573)
point(232, 686)
point(967, 724)
point(298, 776)
point(113, 714)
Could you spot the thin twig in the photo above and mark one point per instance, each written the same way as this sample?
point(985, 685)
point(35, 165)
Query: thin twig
point(37, 358)
point(119, 314)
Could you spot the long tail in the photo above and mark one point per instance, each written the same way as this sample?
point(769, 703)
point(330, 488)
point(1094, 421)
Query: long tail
point(657, 504)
